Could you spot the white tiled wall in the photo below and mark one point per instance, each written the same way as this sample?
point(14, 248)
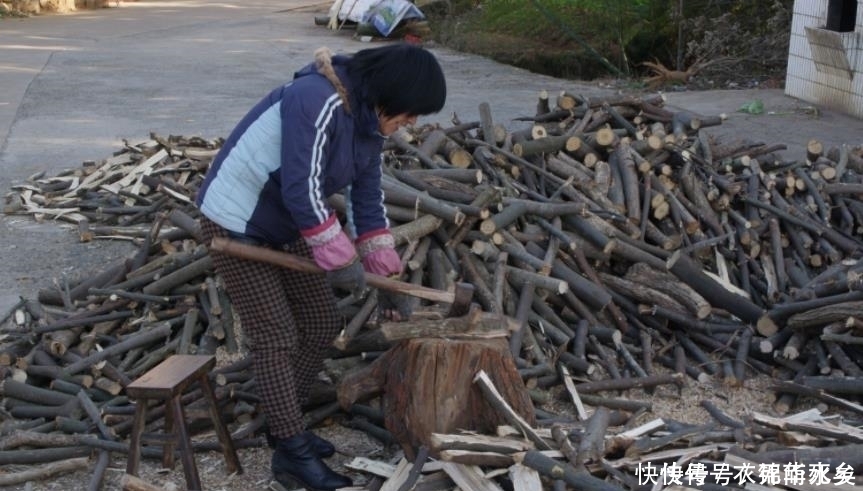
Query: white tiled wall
point(824, 87)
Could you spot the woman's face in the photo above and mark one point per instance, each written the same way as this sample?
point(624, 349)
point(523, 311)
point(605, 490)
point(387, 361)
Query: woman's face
point(387, 125)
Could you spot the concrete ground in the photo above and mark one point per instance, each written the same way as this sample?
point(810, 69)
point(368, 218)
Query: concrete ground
point(75, 86)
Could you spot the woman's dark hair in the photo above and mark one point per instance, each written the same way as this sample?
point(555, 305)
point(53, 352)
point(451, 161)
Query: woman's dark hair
point(397, 79)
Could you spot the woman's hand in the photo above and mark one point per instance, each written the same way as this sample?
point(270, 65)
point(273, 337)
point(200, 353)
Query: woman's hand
point(351, 278)
point(395, 307)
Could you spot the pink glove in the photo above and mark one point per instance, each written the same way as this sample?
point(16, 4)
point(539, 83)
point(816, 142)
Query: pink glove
point(378, 253)
point(331, 247)
point(379, 256)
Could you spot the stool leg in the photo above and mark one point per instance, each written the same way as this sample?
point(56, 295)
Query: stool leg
point(135, 438)
point(231, 460)
point(193, 482)
point(168, 446)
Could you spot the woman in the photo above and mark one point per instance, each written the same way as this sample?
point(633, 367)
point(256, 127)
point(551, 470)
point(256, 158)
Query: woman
point(319, 134)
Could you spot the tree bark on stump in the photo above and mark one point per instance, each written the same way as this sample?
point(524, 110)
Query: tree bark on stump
point(427, 386)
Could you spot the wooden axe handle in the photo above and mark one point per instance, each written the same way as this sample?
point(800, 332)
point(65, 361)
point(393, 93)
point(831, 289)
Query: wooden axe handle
point(301, 264)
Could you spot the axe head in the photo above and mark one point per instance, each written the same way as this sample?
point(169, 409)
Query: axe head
point(462, 298)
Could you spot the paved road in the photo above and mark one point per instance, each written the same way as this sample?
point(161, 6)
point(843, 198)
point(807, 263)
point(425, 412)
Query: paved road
point(74, 86)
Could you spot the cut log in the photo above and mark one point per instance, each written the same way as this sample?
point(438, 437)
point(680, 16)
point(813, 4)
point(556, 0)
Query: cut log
point(428, 388)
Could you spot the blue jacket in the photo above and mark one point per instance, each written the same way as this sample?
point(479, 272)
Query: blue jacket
point(296, 147)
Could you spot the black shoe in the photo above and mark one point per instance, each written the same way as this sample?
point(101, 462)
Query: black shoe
point(321, 447)
point(295, 463)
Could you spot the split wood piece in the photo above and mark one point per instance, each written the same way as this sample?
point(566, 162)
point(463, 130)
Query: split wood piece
point(406, 473)
point(459, 299)
point(469, 477)
point(687, 453)
point(369, 466)
point(477, 458)
point(580, 412)
point(524, 478)
point(478, 443)
point(503, 407)
point(421, 380)
point(647, 445)
point(814, 425)
point(622, 441)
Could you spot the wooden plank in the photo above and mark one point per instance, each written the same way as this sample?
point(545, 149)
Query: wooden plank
point(399, 477)
point(142, 167)
point(369, 466)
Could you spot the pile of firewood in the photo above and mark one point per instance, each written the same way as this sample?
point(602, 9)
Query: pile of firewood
point(630, 249)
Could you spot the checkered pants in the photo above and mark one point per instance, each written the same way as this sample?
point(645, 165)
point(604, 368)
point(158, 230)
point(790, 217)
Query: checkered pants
point(289, 319)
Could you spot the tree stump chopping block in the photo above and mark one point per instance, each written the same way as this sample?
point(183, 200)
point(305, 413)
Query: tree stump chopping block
point(427, 386)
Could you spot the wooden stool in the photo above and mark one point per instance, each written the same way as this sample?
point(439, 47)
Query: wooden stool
point(166, 382)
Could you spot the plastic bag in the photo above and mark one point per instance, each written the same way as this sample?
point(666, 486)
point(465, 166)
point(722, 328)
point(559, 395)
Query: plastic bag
point(386, 15)
point(752, 107)
point(352, 10)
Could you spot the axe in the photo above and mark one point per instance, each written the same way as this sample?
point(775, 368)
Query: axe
point(459, 299)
